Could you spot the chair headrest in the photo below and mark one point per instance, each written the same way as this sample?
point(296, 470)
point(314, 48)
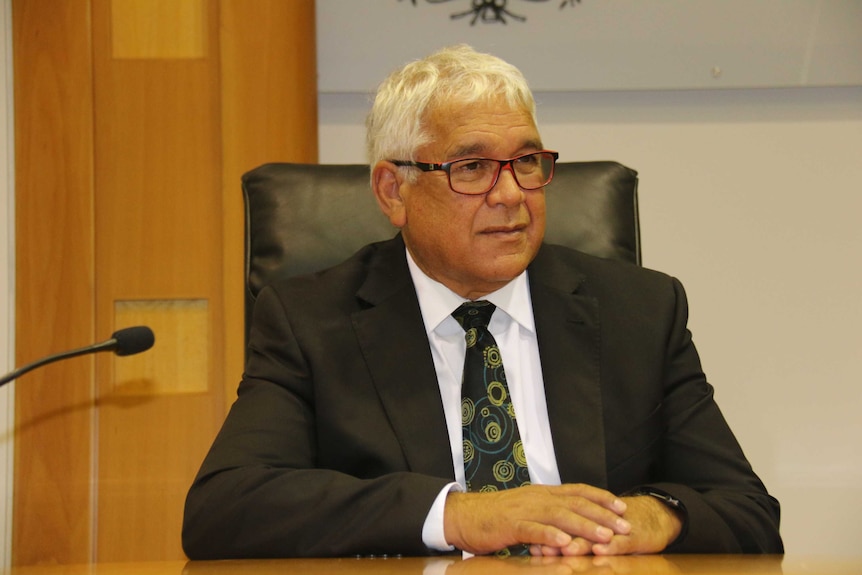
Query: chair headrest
point(302, 218)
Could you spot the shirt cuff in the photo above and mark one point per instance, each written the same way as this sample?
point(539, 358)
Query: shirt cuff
point(433, 535)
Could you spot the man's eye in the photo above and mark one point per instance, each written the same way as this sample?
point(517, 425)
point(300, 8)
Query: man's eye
point(470, 166)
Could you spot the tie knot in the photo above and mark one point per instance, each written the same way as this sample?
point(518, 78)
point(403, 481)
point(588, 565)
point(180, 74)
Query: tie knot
point(474, 314)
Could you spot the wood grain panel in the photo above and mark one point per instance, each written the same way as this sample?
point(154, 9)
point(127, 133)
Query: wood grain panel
point(158, 28)
point(150, 449)
point(54, 280)
point(158, 237)
point(122, 197)
point(179, 360)
point(269, 113)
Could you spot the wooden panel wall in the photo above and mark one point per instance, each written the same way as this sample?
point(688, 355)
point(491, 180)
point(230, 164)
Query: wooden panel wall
point(55, 307)
point(269, 111)
point(134, 122)
point(158, 245)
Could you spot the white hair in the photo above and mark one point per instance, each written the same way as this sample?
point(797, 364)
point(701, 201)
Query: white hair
point(396, 125)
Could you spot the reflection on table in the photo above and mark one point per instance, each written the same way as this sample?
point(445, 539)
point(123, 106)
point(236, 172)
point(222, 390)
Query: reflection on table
point(637, 565)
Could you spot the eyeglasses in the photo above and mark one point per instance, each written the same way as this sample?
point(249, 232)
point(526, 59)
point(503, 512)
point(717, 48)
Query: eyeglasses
point(477, 176)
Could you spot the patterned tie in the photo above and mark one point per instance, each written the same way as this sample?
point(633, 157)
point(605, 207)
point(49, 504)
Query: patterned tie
point(494, 456)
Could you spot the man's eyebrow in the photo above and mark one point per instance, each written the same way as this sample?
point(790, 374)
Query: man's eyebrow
point(468, 150)
point(477, 150)
point(533, 145)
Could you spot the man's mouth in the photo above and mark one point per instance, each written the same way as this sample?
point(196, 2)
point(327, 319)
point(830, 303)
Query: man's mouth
point(504, 230)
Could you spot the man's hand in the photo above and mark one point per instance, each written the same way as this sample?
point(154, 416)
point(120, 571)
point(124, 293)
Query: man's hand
point(654, 526)
point(548, 517)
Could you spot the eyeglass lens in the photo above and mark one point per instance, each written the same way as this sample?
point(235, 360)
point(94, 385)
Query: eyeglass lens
point(477, 176)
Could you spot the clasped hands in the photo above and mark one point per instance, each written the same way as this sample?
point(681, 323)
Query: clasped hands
point(570, 519)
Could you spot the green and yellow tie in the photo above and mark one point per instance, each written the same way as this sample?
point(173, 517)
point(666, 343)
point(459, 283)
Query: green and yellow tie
point(494, 456)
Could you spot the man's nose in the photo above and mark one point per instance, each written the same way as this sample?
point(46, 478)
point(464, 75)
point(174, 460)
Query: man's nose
point(506, 190)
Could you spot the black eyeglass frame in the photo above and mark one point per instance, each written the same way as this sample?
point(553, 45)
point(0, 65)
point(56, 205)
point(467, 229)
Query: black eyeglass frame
point(447, 166)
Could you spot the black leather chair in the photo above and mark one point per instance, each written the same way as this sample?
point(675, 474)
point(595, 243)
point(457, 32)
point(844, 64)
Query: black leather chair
point(301, 218)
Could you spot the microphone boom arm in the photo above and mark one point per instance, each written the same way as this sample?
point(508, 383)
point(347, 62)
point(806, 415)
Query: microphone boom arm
point(127, 341)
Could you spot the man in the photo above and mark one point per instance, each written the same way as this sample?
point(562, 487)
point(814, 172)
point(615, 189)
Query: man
point(347, 436)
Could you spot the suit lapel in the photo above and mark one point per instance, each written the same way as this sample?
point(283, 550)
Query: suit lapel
point(567, 324)
point(392, 337)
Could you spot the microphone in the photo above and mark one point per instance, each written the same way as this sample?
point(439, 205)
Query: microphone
point(128, 341)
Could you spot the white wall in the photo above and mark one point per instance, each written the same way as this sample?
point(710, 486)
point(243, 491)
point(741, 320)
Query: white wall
point(601, 44)
point(753, 199)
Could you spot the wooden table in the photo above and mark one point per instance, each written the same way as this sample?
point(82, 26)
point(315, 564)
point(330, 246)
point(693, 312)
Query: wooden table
point(643, 565)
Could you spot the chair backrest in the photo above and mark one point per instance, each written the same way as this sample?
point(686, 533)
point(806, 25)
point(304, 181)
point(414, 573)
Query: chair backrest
point(302, 218)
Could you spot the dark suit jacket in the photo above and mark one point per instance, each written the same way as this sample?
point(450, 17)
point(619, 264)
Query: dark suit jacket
point(337, 443)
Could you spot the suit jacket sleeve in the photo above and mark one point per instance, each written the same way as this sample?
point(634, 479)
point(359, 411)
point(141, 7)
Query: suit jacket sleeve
point(630, 406)
point(289, 474)
point(700, 462)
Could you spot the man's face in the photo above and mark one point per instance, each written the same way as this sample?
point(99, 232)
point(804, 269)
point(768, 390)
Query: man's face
point(472, 244)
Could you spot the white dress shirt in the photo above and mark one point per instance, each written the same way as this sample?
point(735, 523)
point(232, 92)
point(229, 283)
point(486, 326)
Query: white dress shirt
point(514, 329)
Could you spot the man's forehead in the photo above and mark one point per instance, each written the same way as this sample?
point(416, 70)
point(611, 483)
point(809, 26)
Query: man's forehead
point(476, 130)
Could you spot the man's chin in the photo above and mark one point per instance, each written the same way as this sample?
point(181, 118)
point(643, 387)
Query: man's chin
point(505, 268)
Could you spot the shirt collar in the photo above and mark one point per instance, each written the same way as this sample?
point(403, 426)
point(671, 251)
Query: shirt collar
point(437, 302)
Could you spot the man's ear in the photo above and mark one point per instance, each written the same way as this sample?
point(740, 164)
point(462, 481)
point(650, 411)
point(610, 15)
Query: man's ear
point(386, 184)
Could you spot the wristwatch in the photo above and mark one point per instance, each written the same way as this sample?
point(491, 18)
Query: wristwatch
point(671, 503)
point(661, 496)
